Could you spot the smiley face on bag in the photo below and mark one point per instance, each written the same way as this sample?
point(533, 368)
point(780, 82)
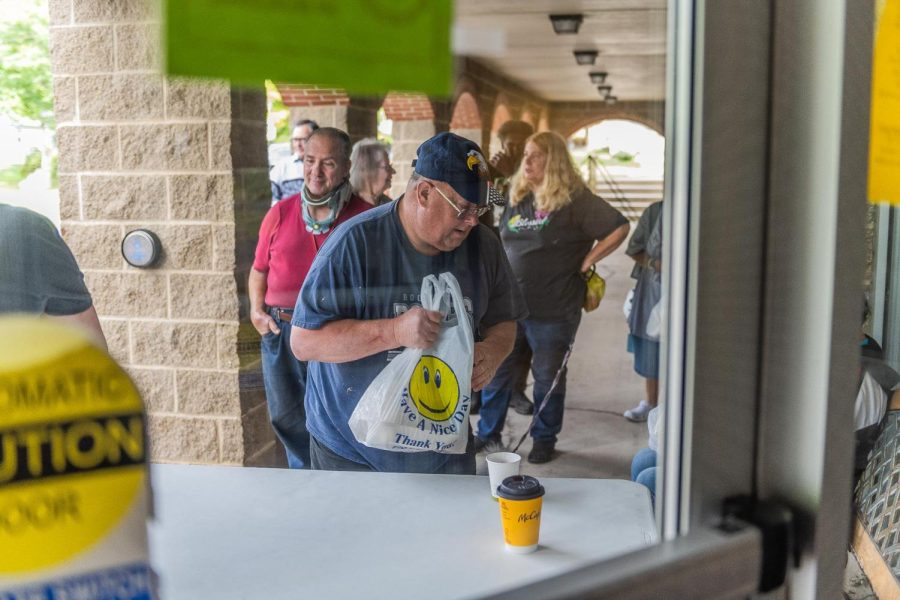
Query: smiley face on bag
point(434, 388)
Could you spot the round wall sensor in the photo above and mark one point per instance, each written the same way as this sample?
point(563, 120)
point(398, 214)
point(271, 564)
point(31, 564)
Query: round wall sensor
point(141, 248)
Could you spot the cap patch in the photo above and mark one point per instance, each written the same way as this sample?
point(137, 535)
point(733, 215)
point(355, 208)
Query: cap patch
point(474, 160)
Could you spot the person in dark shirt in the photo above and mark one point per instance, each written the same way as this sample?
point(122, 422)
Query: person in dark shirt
point(877, 380)
point(504, 164)
point(360, 302)
point(553, 230)
point(645, 247)
point(39, 274)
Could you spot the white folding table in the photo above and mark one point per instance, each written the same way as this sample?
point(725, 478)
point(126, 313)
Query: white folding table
point(252, 533)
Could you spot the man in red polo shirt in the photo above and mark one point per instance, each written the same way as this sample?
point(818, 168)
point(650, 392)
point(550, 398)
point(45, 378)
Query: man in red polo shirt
point(290, 236)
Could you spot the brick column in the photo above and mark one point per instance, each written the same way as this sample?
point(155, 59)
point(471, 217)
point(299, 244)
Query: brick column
point(414, 122)
point(362, 117)
point(187, 160)
point(325, 106)
point(331, 107)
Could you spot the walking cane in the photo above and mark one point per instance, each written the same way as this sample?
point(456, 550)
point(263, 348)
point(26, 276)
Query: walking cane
point(556, 379)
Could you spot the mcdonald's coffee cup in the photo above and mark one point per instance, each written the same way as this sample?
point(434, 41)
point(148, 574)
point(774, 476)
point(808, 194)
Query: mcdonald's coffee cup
point(500, 466)
point(520, 499)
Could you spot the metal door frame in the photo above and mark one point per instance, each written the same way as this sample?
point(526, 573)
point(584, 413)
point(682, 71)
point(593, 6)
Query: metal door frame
point(767, 147)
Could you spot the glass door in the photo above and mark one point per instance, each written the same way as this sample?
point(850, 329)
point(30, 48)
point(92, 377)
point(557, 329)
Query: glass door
point(766, 128)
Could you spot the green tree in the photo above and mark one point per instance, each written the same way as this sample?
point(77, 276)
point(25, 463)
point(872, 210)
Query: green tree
point(26, 85)
point(278, 115)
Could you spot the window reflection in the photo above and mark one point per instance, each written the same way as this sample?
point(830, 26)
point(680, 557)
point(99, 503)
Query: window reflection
point(187, 163)
point(244, 188)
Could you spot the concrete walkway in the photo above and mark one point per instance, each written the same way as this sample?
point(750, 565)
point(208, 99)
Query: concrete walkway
point(596, 441)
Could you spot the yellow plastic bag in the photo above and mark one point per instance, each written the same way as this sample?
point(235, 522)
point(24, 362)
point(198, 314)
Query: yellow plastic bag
point(596, 288)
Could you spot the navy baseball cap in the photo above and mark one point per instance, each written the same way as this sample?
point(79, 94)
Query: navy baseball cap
point(459, 162)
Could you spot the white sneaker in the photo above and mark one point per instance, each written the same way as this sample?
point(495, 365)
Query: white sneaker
point(639, 413)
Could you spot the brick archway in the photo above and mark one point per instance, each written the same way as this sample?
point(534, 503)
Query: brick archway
point(502, 114)
point(399, 106)
point(529, 117)
point(624, 116)
point(465, 113)
point(610, 137)
point(300, 95)
point(465, 119)
point(331, 107)
point(568, 117)
point(543, 123)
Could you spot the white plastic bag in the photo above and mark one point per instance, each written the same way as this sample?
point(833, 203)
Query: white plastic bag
point(420, 401)
point(654, 322)
point(629, 300)
point(653, 429)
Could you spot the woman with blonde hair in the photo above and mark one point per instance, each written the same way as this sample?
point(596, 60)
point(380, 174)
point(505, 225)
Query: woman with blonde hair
point(371, 171)
point(553, 230)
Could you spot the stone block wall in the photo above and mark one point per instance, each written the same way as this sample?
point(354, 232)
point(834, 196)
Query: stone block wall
point(414, 122)
point(408, 136)
point(187, 160)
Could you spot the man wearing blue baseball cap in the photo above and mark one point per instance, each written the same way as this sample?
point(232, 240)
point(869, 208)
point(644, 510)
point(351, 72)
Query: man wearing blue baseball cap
point(359, 305)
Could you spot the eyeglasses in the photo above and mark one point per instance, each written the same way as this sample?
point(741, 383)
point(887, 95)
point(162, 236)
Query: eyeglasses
point(293, 139)
point(461, 214)
point(388, 168)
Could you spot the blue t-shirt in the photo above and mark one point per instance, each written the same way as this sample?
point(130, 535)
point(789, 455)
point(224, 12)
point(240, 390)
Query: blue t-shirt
point(368, 269)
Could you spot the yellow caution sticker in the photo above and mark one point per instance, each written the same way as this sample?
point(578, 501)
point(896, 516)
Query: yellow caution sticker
point(884, 136)
point(72, 445)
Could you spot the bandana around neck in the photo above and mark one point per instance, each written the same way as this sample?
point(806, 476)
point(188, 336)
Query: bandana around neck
point(334, 201)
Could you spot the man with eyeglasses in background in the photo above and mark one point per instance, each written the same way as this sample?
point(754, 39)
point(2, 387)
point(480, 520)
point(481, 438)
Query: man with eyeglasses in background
point(360, 303)
point(286, 176)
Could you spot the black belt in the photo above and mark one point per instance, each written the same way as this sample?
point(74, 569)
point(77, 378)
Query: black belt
point(282, 314)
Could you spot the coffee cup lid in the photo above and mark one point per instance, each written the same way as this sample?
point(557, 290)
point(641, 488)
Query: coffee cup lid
point(520, 487)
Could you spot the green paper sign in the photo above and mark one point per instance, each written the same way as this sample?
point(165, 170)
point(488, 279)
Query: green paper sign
point(362, 46)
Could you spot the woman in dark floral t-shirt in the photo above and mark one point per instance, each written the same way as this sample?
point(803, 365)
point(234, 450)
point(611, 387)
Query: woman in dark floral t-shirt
point(553, 231)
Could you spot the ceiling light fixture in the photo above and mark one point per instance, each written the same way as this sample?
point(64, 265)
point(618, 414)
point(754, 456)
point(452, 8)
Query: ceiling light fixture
point(566, 24)
point(605, 90)
point(585, 57)
point(598, 76)
point(612, 99)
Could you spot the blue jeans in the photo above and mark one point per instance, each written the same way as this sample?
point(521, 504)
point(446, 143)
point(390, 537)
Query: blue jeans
point(643, 470)
point(548, 341)
point(285, 380)
point(323, 459)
